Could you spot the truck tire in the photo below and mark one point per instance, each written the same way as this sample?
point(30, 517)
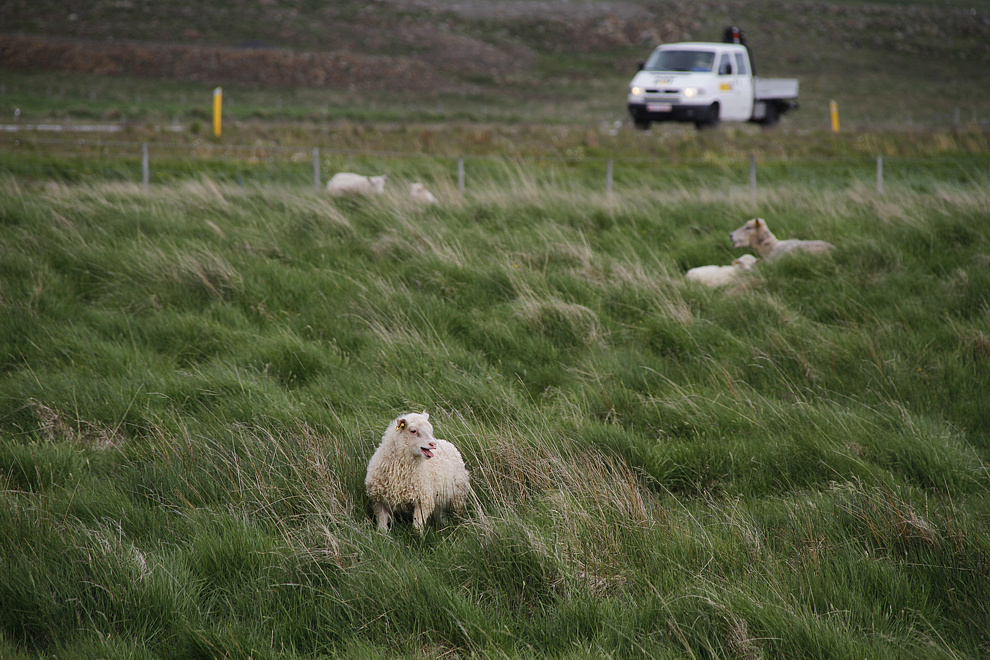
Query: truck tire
point(771, 116)
point(710, 120)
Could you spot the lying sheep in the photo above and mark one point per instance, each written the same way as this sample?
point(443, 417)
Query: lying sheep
point(414, 471)
point(419, 193)
point(720, 275)
point(756, 234)
point(348, 183)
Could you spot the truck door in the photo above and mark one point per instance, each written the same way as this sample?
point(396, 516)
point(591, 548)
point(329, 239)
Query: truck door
point(731, 90)
point(745, 84)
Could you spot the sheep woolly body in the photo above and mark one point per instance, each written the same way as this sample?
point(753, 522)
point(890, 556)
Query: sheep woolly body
point(719, 275)
point(756, 234)
point(411, 469)
point(343, 183)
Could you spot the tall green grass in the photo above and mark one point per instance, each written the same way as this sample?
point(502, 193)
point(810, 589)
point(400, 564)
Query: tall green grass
point(194, 378)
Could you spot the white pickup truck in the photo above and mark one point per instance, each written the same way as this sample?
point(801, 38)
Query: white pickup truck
point(704, 83)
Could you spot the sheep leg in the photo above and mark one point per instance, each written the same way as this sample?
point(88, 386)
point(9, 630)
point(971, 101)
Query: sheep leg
point(381, 512)
point(421, 514)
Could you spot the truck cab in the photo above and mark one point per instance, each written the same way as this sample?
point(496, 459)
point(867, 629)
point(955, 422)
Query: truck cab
point(705, 83)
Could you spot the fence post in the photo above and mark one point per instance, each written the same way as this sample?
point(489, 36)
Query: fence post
point(752, 174)
point(608, 178)
point(145, 172)
point(879, 174)
point(460, 175)
point(316, 168)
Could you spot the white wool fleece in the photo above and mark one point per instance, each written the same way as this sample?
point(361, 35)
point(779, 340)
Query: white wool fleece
point(413, 470)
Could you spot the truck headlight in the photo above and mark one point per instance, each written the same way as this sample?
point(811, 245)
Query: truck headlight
point(635, 91)
point(691, 92)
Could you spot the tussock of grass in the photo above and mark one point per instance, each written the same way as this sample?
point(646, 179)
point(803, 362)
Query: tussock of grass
point(195, 377)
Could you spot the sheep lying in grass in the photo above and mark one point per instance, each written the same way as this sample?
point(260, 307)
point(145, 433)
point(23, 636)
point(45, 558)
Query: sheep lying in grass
point(420, 194)
point(721, 275)
point(414, 471)
point(756, 234)
point(348, 183)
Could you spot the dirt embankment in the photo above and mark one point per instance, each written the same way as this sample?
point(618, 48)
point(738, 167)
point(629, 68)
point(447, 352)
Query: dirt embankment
point(437, 45)
point(266, 67)
point(381, 44)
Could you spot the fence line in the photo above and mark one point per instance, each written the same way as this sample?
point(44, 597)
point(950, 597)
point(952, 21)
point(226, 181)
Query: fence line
point(270, 154)
point(220, 147)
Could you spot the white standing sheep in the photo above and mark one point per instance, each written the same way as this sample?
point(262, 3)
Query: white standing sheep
point(413, 471)
point(721, 275)
point(420, 194)
point(348, 183)
point(756, 234)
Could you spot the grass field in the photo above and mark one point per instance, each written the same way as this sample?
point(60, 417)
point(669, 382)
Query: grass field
point(194, 378)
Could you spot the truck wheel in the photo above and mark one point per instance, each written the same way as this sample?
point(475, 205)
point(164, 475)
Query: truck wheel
point(642, 124)
point(710, 120)
point(771, 116)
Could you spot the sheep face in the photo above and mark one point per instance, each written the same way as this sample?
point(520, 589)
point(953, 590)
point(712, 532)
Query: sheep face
point(745, 262)
point(415, 433)
point(750, 234)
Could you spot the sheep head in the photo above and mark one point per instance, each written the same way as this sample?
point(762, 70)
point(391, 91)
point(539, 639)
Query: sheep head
point(745, 262)
point(414, 432)
point(378, 183)
point(751, 234)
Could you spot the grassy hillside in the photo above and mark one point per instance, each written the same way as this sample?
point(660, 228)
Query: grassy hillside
point(193, 379)
point(888, 65)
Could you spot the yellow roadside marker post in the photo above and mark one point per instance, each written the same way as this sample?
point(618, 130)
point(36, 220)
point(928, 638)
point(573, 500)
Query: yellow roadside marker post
point(217, 103)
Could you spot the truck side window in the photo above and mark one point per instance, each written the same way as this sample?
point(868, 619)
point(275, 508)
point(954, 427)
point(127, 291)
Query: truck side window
point(724, 65)
point(741, 64)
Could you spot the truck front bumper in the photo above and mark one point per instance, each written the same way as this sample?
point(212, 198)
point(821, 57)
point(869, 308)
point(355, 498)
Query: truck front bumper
point(644, 112)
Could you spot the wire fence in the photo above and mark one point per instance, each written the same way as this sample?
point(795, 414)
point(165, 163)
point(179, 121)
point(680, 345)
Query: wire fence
point(150, 164)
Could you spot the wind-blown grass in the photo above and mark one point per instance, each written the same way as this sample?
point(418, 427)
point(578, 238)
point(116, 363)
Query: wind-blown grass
point(194, 378)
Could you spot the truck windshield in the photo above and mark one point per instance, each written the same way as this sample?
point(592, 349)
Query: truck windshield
point(680, 60)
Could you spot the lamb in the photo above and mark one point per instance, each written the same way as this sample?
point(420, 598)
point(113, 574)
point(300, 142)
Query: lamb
point(345, 183)
point(414, 471)
point(756, 234)
point(721, 275)
point(419, 193)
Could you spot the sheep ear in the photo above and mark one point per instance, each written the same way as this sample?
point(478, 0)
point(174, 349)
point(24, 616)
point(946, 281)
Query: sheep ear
point(426, 414)
point(401, 424)
point(757, 222)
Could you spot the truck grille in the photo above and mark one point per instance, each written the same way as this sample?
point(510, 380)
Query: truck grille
point(661, 95)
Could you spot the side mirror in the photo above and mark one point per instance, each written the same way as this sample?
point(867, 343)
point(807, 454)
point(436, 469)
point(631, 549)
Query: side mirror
point(639, 67)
